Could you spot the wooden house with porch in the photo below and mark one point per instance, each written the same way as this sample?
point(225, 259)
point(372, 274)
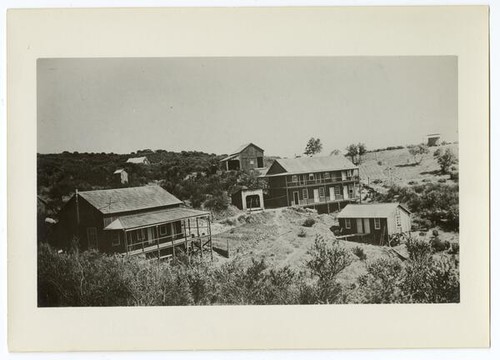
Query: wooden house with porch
point(138, 220)
point(246, 157)
point(325, 183)
point(374, 223)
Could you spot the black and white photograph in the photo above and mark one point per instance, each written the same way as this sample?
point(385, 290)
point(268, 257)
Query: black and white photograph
point(177, 181)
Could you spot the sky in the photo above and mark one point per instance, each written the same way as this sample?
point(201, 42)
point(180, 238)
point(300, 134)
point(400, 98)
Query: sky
point(214, 105)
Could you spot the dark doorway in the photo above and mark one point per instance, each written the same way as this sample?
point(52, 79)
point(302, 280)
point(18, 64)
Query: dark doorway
point(296, 197)
point(260, 162)
point(233, 165)
point(253, 201)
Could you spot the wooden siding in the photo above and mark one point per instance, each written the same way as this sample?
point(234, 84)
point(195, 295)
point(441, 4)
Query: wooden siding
point(376, 234)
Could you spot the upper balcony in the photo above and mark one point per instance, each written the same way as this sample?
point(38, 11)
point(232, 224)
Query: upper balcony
point(322, 181)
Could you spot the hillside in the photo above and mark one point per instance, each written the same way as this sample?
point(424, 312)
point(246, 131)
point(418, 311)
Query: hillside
point(273, 235)
point(397, 167)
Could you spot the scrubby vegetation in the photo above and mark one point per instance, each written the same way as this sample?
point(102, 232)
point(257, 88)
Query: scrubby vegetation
point(309, 222)
point(189, 175)
point(436, 203)
point(95, 279)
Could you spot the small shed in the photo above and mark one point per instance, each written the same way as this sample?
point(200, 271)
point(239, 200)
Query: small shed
point(139, 160)
point(245, 199)
point(433, 139)
point(375, 222)
point(120, 176)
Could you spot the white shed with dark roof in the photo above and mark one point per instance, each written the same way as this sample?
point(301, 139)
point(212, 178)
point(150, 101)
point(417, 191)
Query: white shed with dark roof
point(380, 220)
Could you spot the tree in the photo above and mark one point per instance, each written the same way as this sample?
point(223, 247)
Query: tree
point(356, 152)
point(361, 152)
point(446, 159)
point(418, 152)
point(313, 147)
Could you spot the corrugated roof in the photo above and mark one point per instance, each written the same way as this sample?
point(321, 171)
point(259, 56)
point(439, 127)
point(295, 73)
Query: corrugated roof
point(129, 199)
point(137, 160)
point(315, 164)
point(128, 222)
point(383, 210)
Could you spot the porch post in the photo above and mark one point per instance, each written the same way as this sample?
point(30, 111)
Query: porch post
point(198, 233)
point(210, 238)
point(125, 239)
point(173, 247)
point(158, 241)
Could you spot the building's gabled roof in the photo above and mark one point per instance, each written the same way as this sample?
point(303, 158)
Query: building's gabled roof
point(383, 210)
point(152, 218)
point(243, 147)
point(119, 171)
point(129, 199)
point(314, 164)
point(138, 160)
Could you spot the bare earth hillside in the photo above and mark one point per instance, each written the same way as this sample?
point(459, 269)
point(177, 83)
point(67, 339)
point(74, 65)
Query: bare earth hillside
point(398, 167)
point(274, 235)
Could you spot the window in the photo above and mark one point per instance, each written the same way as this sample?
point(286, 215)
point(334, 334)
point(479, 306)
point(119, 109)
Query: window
point(377, 223)
point(321, 192)
point(251, 162)
point(294, 178)
point(349, 174)
point(163, 229)
point(326, 175)
point(337, 190)
point(311, 177)
point(304, 194)
point(398, 218)
point(141, 234)
point(347, 223)
point(116, 239)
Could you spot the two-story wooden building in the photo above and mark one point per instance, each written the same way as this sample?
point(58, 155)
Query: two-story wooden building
point(246, 157)
point(325, 183)
point(138, 220)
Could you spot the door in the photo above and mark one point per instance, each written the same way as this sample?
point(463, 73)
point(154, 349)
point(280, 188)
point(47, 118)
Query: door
point(92, 237)
point(151, 235)
point(366, 226)
point(359, 226)
point(253, 201)
point(332, 193)
point(296, 198)
point(316, 195)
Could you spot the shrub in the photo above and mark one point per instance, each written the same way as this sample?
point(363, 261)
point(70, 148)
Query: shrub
point(217, 202)
point(309, 222)
point(446, 159)
point(442, 180)
point(454, 176)
point(302, 233)
point(418, 249)
point(454, 249)
point(359, 252)
point(381, 283)
point(326, 263)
